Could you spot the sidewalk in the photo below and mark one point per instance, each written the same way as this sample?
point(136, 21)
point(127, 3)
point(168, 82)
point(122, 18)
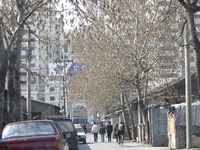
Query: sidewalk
point(139, 146)
point(127, 145)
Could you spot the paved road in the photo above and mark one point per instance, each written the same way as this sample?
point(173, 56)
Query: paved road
point(114, 146)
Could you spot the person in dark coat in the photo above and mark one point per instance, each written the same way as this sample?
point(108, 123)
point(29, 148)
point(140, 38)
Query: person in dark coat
point(109, 130)
point(116, 132)
point(102, 132)
point(121, 131)
point(84, 127)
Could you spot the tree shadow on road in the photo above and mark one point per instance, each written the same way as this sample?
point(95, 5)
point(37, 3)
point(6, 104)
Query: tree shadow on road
point(83, 146)
point(86, 143)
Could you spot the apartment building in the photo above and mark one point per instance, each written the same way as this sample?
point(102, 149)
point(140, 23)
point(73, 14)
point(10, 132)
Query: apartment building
point(43, 47)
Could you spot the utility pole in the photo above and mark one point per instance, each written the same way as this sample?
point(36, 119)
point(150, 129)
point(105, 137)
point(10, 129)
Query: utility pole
point(60, 78)
point(29, 53)
point(64, 98)
point(67, 101)
point(64, 89)
point(188, 90)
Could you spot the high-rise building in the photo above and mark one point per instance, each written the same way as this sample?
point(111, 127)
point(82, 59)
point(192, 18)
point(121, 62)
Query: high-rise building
point(43, 44)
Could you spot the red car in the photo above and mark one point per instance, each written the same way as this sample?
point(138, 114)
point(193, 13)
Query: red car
point(32, 135)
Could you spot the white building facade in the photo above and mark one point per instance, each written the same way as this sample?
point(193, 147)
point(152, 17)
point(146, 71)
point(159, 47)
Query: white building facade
point(44, 47)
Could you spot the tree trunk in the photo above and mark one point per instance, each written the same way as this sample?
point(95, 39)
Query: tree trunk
point(197, 63)
point(14, 91)
point(14, 70)
point(11, 89)
point(130, 113)
point(18, 115)
point(3, 68)
point(139, 113)
point(196, 42)
point(145, 112)
point(145, 136)
point(124, 117)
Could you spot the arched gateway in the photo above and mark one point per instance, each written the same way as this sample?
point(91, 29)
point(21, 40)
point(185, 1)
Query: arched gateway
point(79, 114)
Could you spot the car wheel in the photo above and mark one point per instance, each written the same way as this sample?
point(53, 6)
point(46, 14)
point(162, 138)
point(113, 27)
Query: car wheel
point(74, 149)
point(84, 141)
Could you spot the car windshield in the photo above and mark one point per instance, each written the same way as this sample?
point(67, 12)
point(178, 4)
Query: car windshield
point(65, 126)
point(28, 129)
point(79, 130)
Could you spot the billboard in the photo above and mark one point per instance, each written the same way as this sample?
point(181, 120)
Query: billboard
point(59, 69)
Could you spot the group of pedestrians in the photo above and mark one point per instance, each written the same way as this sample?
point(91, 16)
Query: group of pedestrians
point(108, 130)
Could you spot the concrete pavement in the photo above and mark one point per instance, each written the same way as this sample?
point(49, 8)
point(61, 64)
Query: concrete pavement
point(114, 146)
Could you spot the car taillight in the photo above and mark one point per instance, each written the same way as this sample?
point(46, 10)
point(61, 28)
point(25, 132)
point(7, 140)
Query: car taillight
point(56, 144)
point(53, 144)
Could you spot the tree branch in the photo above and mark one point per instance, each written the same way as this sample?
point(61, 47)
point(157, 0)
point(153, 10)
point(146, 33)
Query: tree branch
point(194, 2)
point(183, 27)
point(23, 21)
point(183, 3)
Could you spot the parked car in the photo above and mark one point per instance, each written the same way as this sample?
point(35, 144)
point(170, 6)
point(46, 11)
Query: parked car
point(32, 135)
point(68, 130)
point(81, 133)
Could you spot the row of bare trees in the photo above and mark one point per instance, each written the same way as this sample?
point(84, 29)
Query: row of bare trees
point(129, 47)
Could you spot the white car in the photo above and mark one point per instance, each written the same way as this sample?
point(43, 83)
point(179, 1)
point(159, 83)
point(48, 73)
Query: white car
point(81, 133)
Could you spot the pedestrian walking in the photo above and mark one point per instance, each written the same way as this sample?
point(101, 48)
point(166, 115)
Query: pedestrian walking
point(116, 132)
point(109, 130)
point(95, 130)
point(121, 132)
point(102, 132)
point(84, 128)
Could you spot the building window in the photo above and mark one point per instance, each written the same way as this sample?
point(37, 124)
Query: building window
point(32, 65)
point(23, 57)
point(33, 82)
point(23, 53)
point(42, 99)
point(23, 83)
point(23, 66)
point(52, 89)
point(52, 98)
point(65, 49)
point(57, 27)
point(24, 48)
point(23, 73)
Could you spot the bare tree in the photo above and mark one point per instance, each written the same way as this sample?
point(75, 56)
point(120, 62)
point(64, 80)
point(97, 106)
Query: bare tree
point(192, 7)
point(121, 47)
point(14, 15)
